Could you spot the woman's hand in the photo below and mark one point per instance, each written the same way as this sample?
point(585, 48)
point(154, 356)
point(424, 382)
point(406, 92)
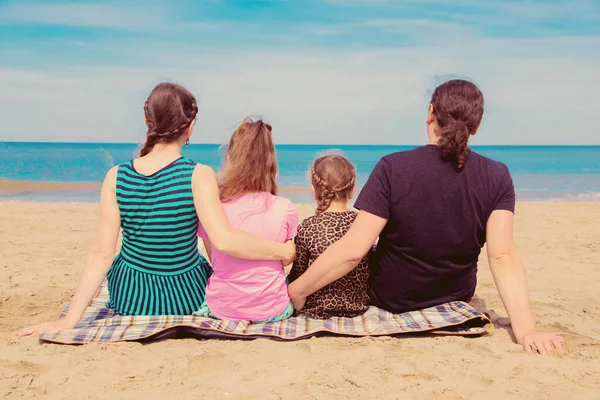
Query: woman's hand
point(37, 330)
point(544, 343)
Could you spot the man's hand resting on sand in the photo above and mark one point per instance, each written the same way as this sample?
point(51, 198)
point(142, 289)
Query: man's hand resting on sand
point(543, 343)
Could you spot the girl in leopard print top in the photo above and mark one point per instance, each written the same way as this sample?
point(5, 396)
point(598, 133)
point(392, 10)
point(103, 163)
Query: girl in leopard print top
point(333, 183)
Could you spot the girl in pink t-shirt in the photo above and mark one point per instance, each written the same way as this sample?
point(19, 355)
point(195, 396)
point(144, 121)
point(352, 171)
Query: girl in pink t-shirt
point(250, 290)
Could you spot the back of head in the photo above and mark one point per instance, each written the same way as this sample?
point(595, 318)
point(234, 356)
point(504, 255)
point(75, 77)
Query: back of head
point(169, 111)
point(333, 178)
point(250, 163)
point(458, 109)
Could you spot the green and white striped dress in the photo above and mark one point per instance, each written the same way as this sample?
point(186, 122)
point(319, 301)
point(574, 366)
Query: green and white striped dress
point(159, 270)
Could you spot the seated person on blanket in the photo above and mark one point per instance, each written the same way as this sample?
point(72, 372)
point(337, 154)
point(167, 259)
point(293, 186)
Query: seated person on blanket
point(333, 180)
point(250, 290)
point(433, 208)
point(157, 200)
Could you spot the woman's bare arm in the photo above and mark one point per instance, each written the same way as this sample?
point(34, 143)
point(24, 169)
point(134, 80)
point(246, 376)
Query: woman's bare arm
point(98, 261)
point(220, 232)
point(511, 281)
point(339, 258)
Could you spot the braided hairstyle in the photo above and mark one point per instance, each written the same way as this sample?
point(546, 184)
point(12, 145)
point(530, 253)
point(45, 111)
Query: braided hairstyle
point(334, 178)
point(169, 111)
point(458, 109)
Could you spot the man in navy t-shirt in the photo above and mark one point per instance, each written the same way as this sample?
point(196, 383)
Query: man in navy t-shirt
point(428, 250)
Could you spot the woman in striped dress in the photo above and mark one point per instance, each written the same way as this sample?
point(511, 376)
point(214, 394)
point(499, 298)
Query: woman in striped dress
point(159, 269)
point(157, 200)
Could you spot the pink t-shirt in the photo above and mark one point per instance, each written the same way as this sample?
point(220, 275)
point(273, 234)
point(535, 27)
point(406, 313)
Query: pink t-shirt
point(252, 290)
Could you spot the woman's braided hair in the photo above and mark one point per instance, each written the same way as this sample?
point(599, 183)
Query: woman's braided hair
point(169, 111)
point(334, 178)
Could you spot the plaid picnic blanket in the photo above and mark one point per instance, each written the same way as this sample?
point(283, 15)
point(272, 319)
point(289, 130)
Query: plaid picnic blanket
point(101, 324)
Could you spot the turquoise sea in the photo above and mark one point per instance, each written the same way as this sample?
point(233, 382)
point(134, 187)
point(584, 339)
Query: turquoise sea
point(567, 173)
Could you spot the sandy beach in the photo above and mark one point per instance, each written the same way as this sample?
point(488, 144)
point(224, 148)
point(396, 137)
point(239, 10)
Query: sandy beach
point(43, 246)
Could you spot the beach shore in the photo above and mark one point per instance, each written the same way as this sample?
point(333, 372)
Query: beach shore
point(43, 247)
point(15, 190)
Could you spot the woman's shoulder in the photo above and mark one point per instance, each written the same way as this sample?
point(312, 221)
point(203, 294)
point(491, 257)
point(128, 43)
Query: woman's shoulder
point(111, 175)
point(202, 172)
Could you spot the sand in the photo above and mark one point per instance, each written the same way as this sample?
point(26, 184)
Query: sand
point(43, 247)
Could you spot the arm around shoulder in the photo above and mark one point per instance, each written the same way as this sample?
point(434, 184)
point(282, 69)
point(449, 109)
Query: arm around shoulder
point(339, 258)
point(209, 209)
point(220, 232)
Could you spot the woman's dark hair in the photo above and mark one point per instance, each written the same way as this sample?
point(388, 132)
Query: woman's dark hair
point(169, 110)
point(333, 177)
point(458, 109)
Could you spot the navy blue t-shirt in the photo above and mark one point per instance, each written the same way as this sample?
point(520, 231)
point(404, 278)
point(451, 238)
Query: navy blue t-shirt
point(427, 253)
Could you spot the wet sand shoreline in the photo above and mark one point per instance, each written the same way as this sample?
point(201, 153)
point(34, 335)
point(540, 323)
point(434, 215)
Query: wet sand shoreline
point(12, 187)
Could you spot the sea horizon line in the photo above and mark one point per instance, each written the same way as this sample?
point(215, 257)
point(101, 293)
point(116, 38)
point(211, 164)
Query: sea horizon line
point(301, 144)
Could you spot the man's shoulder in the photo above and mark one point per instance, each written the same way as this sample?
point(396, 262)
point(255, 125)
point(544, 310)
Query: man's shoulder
point(493, 166)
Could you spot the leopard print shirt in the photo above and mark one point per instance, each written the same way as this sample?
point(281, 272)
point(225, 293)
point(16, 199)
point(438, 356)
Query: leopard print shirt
point(346, 297)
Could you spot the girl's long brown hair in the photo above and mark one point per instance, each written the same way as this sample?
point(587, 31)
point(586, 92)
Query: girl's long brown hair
point(250, 163)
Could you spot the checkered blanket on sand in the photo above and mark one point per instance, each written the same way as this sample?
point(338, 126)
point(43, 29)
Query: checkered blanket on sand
point(101, 324)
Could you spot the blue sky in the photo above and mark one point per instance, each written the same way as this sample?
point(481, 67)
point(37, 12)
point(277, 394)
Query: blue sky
point(321, 71)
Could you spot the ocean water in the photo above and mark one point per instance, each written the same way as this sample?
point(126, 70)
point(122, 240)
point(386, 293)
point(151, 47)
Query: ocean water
point(567, 173)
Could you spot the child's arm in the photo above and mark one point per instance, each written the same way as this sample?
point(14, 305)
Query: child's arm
point(98, 262)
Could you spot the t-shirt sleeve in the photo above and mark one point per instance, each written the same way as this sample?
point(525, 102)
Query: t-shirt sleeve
point(291, 221)
point(375, 196)
point(505, 198)
point(202, 233)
